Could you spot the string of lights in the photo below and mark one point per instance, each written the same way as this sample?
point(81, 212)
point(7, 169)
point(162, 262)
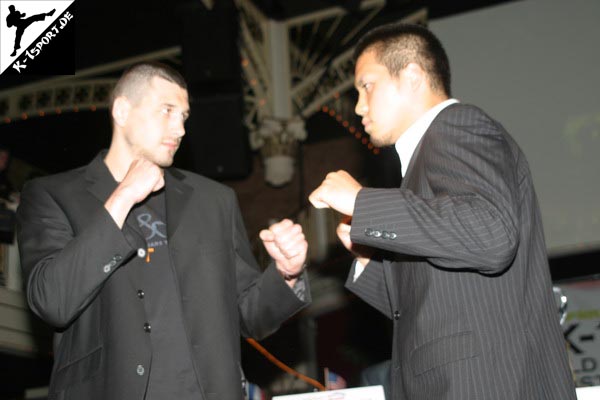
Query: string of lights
point(357, 133)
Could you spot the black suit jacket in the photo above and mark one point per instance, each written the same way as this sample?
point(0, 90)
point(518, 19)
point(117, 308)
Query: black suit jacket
point(464, 272)
point(75, 260)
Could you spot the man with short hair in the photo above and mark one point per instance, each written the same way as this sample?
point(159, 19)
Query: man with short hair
point(456, 256)
point(144, 270)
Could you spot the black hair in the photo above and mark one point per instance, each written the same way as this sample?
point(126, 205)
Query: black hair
point(398, 44)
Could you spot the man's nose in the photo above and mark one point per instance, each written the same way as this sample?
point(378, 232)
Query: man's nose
point(178, 127)
point(361, 106)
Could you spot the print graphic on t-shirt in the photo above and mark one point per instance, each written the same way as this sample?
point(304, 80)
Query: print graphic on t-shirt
point(154, 230)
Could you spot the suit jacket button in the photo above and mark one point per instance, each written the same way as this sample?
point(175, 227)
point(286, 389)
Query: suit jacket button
point(118, 257)
point(385, 235)
point(147, 328)
point(140, 370)
point(376, 234)
point(392, 235)
point(109, 266)
point(369, 232)
point(140, 294)
point(396, 315)
point(141, 252)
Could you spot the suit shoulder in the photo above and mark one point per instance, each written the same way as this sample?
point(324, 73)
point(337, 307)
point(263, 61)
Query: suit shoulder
point(201, 181)
point(464, 112)
point(468, 118)
point(465, 125)
point(57, 181)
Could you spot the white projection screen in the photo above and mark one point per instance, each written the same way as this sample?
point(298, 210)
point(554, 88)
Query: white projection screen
point(535, 66)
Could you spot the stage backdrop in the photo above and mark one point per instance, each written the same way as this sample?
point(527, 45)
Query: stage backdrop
point(533, 65)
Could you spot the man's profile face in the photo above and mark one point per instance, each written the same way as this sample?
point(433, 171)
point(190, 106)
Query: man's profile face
point(383, 100)
point(155, 123)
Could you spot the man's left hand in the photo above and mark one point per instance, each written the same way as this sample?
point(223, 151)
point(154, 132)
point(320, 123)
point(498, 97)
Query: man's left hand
point(286, 244)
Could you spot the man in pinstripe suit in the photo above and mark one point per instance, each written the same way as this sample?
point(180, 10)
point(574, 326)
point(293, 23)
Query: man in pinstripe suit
point(456, 256)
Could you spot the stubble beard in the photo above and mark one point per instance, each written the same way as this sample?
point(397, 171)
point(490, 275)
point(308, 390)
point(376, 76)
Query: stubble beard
point(162, 160)
point(382, 140)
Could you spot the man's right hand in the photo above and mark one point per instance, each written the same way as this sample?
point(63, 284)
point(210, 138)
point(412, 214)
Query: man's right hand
point(142, 178)
point(338, 191)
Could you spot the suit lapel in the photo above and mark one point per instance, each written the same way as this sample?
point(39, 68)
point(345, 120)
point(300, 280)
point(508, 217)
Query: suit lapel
point(177, 197)
point(407, 178)
point(99, 180)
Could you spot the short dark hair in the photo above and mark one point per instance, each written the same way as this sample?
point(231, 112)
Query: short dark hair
point(398, 44)
point(137, 76)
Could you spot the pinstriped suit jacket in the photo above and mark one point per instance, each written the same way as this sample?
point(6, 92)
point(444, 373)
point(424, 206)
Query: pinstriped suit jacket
point(463, 269)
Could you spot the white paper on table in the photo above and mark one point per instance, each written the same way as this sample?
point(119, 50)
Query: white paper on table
point(588, 393)
point(360, 393)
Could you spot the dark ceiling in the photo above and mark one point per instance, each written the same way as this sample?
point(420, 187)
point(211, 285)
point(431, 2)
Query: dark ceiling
point(112, 30)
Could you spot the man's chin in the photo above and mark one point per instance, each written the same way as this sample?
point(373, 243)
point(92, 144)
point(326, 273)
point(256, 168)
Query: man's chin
point(379, 142)
point(164, 162)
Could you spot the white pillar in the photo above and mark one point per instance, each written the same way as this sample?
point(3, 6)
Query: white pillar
point(279, 63)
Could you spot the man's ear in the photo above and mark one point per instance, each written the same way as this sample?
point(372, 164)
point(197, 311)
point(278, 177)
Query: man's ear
point(415, 75)
point(120, 110)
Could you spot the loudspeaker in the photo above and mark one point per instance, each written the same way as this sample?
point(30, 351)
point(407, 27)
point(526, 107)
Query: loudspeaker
point(210, 49)
point(216, 141)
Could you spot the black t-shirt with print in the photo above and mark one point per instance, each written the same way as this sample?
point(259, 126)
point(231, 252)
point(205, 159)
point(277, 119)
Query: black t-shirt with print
point(171, 374)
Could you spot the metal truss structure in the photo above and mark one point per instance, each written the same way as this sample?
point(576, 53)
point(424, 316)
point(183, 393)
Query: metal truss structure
point(89, 89)
point(291, 69)
point(295, 67)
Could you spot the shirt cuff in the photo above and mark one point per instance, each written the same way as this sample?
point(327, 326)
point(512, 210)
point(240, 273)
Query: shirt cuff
point(358, 269)
point(299, 288)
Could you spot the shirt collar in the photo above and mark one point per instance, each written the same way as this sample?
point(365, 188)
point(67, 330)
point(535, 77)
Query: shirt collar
point(408, 141)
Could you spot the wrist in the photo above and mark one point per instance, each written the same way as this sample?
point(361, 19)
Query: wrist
point(291, 277)
point(118, 206)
